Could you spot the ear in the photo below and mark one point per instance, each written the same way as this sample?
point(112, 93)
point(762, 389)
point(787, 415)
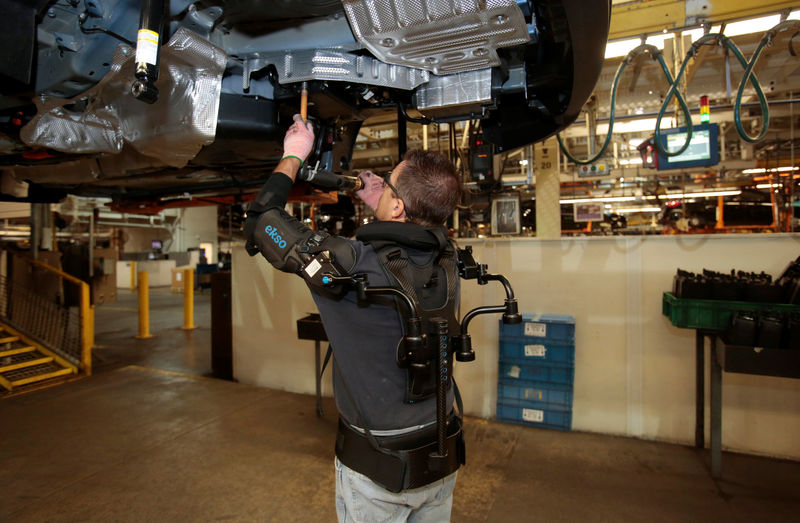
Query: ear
point(398, 210)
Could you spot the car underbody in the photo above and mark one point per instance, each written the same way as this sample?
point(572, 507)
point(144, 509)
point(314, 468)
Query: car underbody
point(230, 77)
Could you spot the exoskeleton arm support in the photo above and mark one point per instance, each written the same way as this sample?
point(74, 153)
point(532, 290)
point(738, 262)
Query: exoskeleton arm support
point(469, 269)
point(410, 352)
point(420, 345)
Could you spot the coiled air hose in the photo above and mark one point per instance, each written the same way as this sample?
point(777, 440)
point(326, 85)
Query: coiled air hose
point(655, 53)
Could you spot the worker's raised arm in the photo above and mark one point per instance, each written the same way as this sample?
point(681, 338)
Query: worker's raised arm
point(286, 243)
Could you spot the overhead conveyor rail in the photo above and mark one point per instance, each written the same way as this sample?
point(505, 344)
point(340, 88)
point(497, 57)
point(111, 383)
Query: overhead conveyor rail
point(43, 337)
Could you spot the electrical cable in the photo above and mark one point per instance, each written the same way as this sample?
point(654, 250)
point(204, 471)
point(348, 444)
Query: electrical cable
point(92, 30)
point(655, 53)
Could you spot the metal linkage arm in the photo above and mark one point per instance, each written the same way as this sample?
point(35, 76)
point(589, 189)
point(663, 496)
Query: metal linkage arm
point(414, 340)
point(469, 269)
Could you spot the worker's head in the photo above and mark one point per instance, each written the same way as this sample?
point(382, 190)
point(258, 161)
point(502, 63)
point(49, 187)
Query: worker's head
point(424, 189)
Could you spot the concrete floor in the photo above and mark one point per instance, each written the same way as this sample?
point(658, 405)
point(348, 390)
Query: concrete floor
point(150, 438)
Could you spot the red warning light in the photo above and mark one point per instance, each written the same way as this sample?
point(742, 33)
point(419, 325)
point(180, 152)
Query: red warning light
point(705, 112)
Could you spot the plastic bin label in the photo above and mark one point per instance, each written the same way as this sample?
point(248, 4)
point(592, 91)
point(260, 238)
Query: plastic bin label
point(533, 394)
point(536, 329)
point(537, 416)
point(514, 371)
point(535, 351)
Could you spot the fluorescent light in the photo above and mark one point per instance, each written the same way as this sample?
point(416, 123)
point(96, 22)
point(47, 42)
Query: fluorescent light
point(601, 199)
point(681, 196)
point(632, 126)
point(768, 185)
point(742, 27)
point(670, 196)
point(709, 194)
point(754, 25)
point(772, 170)
point(623, 47)
point(626, 210)
point(697, 33)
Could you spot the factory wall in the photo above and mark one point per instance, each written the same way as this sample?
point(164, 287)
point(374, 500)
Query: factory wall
point(198, 225)
point(634, 371)
point(195, 225)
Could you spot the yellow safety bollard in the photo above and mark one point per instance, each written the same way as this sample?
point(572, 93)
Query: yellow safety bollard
point(87, 327)
point(144, 307)
point(188, 300)
point(133, 275)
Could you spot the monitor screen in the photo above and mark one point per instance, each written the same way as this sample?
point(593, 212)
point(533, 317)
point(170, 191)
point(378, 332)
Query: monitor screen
point(703, 150)
point(156, 245)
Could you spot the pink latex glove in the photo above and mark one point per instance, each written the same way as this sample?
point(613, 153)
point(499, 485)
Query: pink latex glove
point(373, 188)
point(299, 139)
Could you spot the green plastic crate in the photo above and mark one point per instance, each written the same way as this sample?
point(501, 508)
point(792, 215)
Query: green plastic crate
point(712, 314)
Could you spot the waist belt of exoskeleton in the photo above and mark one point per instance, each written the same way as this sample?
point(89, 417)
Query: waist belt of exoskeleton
point(401, 462)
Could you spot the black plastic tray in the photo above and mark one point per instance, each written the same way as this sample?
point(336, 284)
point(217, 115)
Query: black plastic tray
point(784, 363)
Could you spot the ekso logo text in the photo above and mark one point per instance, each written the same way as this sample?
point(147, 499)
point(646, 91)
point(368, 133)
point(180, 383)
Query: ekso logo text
point(272, 232)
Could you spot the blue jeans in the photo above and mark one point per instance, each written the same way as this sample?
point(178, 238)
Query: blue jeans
point(361, 500)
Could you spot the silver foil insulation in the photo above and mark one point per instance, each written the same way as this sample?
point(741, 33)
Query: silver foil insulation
point(107, 118)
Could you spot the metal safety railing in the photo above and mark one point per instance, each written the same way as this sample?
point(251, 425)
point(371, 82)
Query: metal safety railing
point(63, 323)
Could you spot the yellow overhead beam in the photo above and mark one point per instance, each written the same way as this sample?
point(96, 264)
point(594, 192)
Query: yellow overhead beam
point(638, 17)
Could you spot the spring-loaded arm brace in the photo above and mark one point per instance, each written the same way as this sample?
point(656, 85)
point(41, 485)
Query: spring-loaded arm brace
point(469, 269)
point(412, 351)
point(414, 337)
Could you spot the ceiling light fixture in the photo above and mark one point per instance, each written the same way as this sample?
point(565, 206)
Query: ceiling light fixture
point(600, 199)
point(627, 210)
point(706, 194)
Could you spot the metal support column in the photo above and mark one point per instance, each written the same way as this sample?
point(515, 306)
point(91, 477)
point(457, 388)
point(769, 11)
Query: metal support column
point(548, 190)
point(91, 245)
point(699, 395)
point(716, 411)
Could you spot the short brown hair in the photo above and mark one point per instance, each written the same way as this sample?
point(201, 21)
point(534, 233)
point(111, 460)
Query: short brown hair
point(429, 186)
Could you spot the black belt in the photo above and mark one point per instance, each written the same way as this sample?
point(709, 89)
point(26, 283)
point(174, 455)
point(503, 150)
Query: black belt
point(401, 462)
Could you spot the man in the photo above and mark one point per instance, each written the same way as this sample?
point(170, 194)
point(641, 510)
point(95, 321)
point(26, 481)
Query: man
point(387, 413)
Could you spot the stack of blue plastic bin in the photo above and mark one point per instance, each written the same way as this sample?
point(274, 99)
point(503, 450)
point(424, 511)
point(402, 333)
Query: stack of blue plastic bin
point(537, 371)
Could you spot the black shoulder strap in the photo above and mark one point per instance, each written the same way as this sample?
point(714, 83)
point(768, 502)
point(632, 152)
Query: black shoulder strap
point(396, 262)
